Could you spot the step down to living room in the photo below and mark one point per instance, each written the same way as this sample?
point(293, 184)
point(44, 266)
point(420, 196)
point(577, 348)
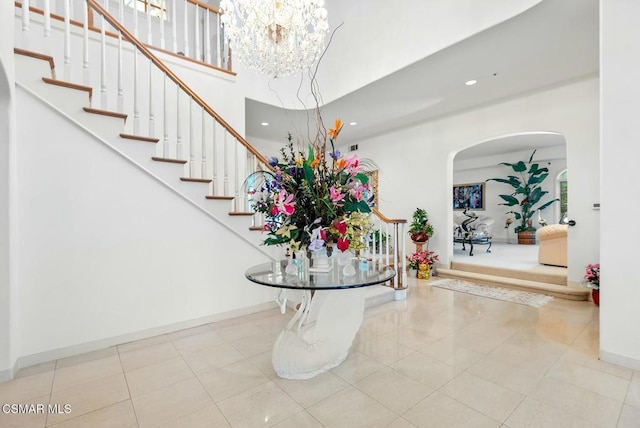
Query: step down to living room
point(549, 283)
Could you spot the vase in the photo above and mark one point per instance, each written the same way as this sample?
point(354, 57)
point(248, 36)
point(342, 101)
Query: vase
point(320, 261)
point(595, 295)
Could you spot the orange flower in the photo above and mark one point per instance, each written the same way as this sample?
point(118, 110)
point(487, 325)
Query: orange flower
point(314, 163)
point(341, 163)
point(333, 133)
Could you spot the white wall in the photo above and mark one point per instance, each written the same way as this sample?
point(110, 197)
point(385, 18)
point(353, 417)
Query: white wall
point(477, 170)
point(419, 171)
point(106, 250)
point(620, 68)
point(373, 30)
point(7, 145)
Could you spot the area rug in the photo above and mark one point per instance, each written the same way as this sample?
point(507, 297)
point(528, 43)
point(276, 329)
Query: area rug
point(499, 293)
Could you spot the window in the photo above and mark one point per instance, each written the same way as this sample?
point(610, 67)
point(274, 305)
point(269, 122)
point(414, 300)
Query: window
point(157, 8)
point(562, 182)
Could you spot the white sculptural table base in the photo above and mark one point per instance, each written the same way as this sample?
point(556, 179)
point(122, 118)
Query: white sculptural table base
point(319, 335)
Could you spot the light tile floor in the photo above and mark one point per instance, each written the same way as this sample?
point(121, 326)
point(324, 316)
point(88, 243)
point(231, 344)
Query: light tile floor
point(438, 359)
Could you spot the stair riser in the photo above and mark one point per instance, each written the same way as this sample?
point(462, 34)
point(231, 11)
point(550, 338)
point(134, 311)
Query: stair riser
point(511, 273)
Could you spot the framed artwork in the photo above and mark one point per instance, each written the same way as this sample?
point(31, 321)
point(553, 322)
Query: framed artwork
point(468, 196)
point(373, 180)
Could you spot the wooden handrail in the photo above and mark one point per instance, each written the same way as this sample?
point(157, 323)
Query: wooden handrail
point(388, 220)
point(146, 52)
point(205, 6)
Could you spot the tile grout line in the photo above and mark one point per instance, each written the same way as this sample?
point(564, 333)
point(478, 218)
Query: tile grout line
point(126, 381)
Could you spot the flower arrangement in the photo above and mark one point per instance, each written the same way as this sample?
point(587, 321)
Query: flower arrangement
point(310, 202)
point(591, 277)
point(422, 257)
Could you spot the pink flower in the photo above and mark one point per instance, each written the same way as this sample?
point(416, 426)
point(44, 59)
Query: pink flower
point(343, 243)
point(352, 162)
point(335, 195)
point(284, 203)
point(356, 193)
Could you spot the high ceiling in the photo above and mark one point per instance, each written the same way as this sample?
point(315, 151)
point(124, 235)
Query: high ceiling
point(553, 42)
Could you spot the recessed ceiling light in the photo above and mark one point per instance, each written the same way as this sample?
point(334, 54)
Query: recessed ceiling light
point(470, 82)
point(353, 123)
point(264, 123)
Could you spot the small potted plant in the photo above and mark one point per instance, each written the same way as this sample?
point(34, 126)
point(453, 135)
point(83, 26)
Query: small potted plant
point(591, 280)
point(421, 257)
point(420, 230)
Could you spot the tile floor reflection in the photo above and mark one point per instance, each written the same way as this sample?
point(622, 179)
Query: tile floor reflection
point(439, 359)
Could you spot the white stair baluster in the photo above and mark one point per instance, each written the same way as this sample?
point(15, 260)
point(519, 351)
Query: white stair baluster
point(207, 35)
point(197, 33)
point(67, 41)
point(174, 27)
point(386, 231)
point(236, 188)
point(218, 39)
point(192, 140)
point(149, 37)
point(47, 26)
point(120, 82)
point(86, 69)
point(214, 160)
point(226, 165)
point(165, 124)
point(135, 18)
point(178, 127)
point(163, 5)
point(186, 28)
point(136, 109)
point(26, 22)
point(152, 117)
point(103, 60)
point(203, 166)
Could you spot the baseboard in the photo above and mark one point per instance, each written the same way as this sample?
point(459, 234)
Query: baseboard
point(68, 351)
point(620, 360)
point(8, 374)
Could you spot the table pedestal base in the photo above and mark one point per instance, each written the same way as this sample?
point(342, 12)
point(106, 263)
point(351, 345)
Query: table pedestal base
point(320, 334)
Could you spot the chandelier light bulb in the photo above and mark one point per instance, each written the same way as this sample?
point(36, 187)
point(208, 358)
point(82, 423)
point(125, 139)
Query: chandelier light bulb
point(275, 37)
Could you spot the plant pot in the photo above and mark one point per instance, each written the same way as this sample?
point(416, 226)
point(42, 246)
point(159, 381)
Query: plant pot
point(595, 295)
point(527, 238)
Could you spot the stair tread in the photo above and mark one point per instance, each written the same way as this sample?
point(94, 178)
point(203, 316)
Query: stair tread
point(240, 213)
point(255, 228)
point(169, 160)
point(69, 85)
point(222, 198)
point(105, 113)
point(36, 55)
point(196, 180)
point(139, 138)
point(562, 291)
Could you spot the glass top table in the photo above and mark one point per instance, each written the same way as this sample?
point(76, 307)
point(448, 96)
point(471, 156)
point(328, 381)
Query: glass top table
point(331, 310)
point(273, 275)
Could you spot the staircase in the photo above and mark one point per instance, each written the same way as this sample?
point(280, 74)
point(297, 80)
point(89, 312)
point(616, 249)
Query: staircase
point(151, 117)
point(552, 284)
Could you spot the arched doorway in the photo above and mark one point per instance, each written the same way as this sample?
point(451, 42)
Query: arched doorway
point(481, 161)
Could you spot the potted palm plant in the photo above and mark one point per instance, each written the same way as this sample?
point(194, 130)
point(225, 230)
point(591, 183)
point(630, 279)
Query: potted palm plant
point(527, 193)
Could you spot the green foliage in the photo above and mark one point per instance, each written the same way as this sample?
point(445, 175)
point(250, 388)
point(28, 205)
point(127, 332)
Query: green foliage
point(420, 229)
point(527, 191)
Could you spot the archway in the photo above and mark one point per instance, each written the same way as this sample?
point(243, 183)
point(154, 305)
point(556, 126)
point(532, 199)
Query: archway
point(480, 161)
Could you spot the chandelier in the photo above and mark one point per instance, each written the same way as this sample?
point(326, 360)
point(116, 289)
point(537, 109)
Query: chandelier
point(275, 37)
